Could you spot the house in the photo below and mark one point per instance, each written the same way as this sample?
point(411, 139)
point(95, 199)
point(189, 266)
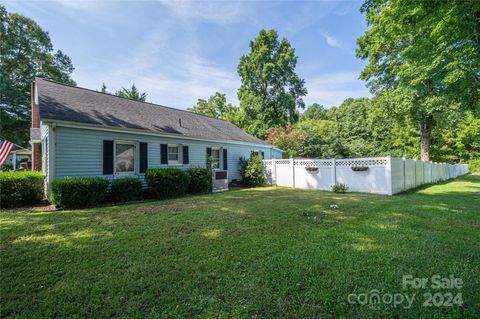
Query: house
point(19, 157)
point(80, 132)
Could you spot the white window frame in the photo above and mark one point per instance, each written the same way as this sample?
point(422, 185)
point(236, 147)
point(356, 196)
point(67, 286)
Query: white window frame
point(259, 152)
point(135, 158)
point(219, 149)
point(179, 152)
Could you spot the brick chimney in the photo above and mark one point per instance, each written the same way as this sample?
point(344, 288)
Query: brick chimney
point(36, 147)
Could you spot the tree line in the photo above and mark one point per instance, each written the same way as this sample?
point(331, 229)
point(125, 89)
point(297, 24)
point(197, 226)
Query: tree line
point(423, 67)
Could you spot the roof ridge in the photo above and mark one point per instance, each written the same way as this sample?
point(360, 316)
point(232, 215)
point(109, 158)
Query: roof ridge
point(120, 97)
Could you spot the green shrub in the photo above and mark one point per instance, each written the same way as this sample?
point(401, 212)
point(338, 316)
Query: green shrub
point(78, 192)
point(252, 171)
point(474, 166)
point(21, 188)
point(167, 182)
point(7, 167)
point(200, 180)
point(126, 189)
point(339, 188)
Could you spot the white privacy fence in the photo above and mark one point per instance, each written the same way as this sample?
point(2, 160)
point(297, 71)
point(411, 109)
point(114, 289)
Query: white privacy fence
point(382, 175)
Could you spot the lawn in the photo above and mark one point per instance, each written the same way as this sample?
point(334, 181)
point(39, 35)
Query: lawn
point(261, 253)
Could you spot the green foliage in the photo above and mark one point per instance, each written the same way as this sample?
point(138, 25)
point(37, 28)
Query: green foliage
point(363, 127)
point(286, 138)
point(167, 182)
point(7, 167)
point(126, 189)
point(271, 91)
point(78, 192)
point(25, 52)
point(251, 171)
point(474, 166)
point(132, 94)
point(315, 112)
point(339, 188)
point(200, 180)
point(217, 106)
point(21, 188)
point(425, 54)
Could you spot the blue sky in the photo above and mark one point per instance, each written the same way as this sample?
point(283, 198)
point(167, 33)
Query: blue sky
point(180, 51)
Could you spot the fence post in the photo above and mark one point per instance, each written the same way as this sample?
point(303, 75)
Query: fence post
point(415, 175)
point(274, 172)
point(389, 175)
point(292, 167)
point(334, 172)
point(404, 175)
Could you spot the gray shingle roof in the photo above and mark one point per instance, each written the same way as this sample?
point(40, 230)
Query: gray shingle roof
point(73, 104)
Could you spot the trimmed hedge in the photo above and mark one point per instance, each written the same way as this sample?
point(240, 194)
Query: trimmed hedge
point(200, 180)
point(251, 171)
point(126, 189)
point(78, 192)
point(21, 188)
point(167, 182)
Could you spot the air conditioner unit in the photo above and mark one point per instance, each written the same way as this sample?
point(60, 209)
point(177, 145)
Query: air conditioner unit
point(219, 181)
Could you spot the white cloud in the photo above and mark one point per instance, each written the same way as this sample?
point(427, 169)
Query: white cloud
point(170, 71)
point(85, 5)
point(333, 88)
point(331, 41)
point(211, 11)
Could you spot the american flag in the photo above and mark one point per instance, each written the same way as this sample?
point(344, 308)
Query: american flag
point(5, 150)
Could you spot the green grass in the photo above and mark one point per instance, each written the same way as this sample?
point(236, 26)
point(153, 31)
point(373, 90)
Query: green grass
point(264, 253)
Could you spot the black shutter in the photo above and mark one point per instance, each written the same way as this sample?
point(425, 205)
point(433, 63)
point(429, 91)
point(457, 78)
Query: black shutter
point(209, 154)
point(143, 157)
point(225, 159)
point(107, 157)
point(263, 155)
point(185, 154)
point(163, 153)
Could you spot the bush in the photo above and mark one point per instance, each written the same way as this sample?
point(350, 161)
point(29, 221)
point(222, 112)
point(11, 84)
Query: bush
point(200, 180)
point(7, 167)
point(78, 192)
point(474, 166)
point(126, 189)
point(339, 188)
point(167, 182)
point(21, 188)
point(252, 171)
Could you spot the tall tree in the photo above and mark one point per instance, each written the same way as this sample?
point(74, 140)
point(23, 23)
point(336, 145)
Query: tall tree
point(271, 91)
point(427, 53)
point(25, 52)
point(314, 112)
point(132, 94)
point(217, 106)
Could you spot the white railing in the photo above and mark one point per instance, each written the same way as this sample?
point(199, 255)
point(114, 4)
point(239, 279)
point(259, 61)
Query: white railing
point(382, 175)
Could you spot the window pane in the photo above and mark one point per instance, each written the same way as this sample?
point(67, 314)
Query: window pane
point(124, 158)
point(215, 158)
point(173, 153)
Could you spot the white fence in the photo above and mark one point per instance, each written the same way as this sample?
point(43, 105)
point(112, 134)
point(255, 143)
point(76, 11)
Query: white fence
point(381, 175)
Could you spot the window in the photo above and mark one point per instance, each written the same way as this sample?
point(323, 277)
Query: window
point(124, 158)
point(257, 153)
point(173, 155)
point(215, 158)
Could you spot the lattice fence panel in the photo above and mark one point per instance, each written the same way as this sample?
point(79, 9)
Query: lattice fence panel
point(315, 163)
point(378, 162)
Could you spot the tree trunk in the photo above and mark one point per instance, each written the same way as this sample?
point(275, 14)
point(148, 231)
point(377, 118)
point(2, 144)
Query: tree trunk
point(425, 142)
